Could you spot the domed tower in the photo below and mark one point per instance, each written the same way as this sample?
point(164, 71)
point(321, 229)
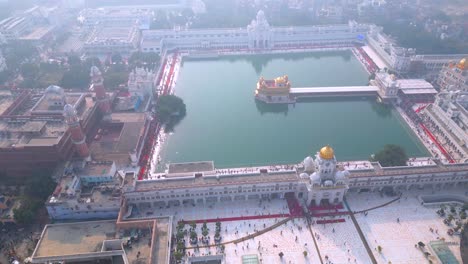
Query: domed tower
point(328, 184)
point(97, 85)
point(325, 163)
point(76, 132)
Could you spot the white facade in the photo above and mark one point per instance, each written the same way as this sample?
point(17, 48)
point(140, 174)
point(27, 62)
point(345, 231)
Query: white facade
point(450, 112)
point(398, 58)
point(328, 183)
point(257, 35)
point(454, 77)
point(318, 181)
point(140, 82)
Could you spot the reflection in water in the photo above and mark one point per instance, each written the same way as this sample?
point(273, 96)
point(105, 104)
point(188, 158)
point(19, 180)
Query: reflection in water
point(263, 108)
point(383, 110)
point(259, 62)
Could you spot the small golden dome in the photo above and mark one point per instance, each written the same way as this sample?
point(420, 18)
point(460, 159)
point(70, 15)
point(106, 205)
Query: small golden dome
point(462, 64)
point(327, 152)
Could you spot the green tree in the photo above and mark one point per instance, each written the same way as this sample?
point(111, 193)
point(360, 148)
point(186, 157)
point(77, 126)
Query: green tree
point(391, 155)
point(40, 186)
point(29, 70)
point(379, 249)
point(116, 58)
point(170, 110)
point(139, 59)
point(112, 80)
point(26, 212)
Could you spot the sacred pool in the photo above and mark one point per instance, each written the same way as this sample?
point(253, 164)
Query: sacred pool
point(225, 124)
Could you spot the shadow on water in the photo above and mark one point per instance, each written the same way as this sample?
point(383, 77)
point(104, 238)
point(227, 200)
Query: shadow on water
point(382, 110)
point(263, 108)
point(335, 99)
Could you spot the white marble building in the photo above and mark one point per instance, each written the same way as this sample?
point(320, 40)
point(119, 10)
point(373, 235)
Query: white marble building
point(327, 181)
point(257, 35)
point(319, 181)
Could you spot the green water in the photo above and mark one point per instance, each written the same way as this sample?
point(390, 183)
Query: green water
point(225, 124)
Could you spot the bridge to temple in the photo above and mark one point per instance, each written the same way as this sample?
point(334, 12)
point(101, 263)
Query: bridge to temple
point(299, 92)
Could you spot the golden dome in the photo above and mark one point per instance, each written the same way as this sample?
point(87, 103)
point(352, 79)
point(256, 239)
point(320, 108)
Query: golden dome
point(462, 64)
point(327, 152)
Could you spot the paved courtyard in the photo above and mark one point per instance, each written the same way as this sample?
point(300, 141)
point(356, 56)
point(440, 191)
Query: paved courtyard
point(223, 209)
point(340, 242)
point(397, 227)
point(266, 246)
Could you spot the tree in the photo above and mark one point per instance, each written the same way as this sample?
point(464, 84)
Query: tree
point(193, 225)
point(25, 213)
point(379, 249)
point(391, 155)
point(29, 70)
point(112, 80)
point(305, 253)
point(170, 110)
point(178, 255)
point(281, 254)
point(139, 58)
point(40, 186)
point(116, 58)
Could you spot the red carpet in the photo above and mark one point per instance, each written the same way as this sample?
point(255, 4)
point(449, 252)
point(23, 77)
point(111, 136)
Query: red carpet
point(295, 208)
point(434, 139)
point(331, 221)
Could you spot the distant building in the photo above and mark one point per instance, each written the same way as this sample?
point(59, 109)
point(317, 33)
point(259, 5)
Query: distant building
point(429, 66)
point(106, 38)
point(454, 76)
point(257, 35)
point(141, 82)
point(397, 58)
point(13, 28)
point(450, 114)
point(33, 133)
point(117, 16)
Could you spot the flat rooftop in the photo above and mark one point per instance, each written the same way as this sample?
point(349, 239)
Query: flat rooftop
point(74, 238)
point(124, 133)
point(102, 33)
point(38, 33)
point(6, 99)
point(91, 241)
point(97, 168)
point(44, 105)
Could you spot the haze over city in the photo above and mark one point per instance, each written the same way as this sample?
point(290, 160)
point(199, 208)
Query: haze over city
point(234, 131)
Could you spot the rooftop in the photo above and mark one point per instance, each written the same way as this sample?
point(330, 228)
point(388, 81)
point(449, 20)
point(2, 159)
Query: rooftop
point(45, 105)
point(74, 238)
point(28, 126)
point(6, 99)
point(104, 33)
point(85, 241)
point(38, 33)
point(119, 137)
point(97, 168)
